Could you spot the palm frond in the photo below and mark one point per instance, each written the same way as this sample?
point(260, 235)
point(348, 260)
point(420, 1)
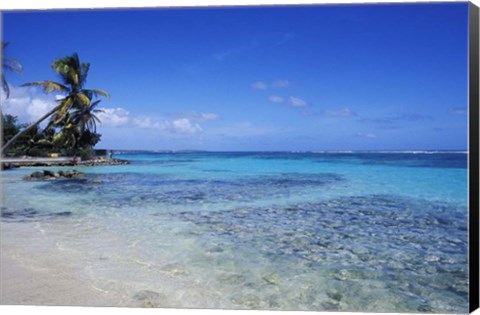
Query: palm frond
point(96, 92)
point(44, 142)
point(96, 121)
point(71, 70)
point(12, 65)
point(75, 61)
point(5, 86)
point(63, 67)
point(94, 104)
point(84, 73)
point(84, 99)
point(73, 75)
point(57, 137)
point(8, 64)
point(48, 86)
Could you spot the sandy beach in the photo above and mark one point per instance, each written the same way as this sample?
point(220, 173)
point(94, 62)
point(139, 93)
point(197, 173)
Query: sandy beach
point(36, 269)
point(42, 278)
point(37, 285)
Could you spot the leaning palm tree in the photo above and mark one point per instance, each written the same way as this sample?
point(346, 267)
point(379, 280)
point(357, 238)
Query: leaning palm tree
point(8, 64)
point(73, 74)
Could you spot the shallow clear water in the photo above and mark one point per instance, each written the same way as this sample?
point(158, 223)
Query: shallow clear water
point(289, 231)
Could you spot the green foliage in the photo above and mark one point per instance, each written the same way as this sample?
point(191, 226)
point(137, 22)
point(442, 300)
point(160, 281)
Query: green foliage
point(33, 143)
point(89, 139)
point(73, 120)
point(10, 127)
point(68, 139)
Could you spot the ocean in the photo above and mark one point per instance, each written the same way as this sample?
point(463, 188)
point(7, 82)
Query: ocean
point(326, 231)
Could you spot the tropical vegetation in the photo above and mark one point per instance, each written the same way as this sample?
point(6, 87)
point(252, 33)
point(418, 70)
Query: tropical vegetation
point(72, 122)
point(43, 142)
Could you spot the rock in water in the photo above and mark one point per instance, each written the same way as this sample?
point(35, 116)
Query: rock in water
point(48, 175)
point(36, 175)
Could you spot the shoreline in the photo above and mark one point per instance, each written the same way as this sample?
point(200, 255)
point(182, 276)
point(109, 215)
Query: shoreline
point(63, 161)
point(42, 285)
point(37, 268)
point(38, 273)
point(51, 281)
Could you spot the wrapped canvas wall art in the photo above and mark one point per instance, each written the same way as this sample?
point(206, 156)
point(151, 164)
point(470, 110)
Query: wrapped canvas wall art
point(295, 157)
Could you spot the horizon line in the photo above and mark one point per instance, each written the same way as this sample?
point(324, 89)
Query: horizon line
point(284, 151)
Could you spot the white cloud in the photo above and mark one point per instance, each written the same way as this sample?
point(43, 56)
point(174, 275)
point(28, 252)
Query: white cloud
point(457, 110)
point(114, 117)
point(297, 102)
point(184, 125)
point(149, 123)
point(180, 126)
point(280, 84)
point(276, 99)
point(292, 101)
point(344, 112)
point(367, 135)
point(27, 104)
point(277, 84)
point(259, 85)
point(208, 116)
point(39, 107)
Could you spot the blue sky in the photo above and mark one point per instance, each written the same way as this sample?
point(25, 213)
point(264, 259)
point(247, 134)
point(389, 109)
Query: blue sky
point(328, 77)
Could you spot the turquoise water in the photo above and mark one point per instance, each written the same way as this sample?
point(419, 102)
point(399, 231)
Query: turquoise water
point(288, 231)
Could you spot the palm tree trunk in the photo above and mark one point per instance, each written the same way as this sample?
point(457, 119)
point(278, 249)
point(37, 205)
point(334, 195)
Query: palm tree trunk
point(12, 141)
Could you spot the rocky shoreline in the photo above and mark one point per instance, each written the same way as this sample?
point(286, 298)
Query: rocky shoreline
point(44, 163)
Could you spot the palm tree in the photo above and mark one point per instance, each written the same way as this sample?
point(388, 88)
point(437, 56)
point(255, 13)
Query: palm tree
point(86, 120)
point(86, 117)
point(8, 64)
point(74, 76)
point(78, 128)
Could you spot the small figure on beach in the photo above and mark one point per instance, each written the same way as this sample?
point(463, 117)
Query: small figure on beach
point(75, 159)
point(110, 154)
